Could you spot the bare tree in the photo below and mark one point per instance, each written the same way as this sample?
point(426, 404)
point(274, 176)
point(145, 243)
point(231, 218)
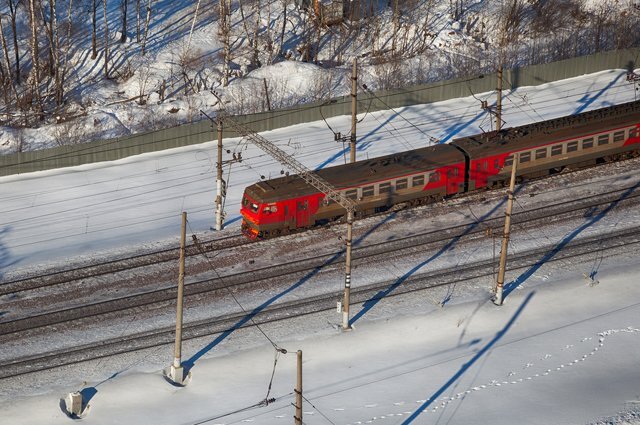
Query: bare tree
point(106, 40)
point(13, 15)
point(34, 76)
point(146, 27)
point(124, 6)
point(94, 29)
point(5, 50)
point(224, 32)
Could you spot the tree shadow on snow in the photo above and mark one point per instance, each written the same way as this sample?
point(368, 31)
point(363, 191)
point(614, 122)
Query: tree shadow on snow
point(370, 303)
point(465, 366)
point(592, 219)
point(190, 363)
point(6, 259)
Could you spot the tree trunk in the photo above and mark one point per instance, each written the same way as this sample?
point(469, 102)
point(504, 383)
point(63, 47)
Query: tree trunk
point(106, 40)
point(124, 6)
point(94, 25)
point(225, 28)
point(138, 21)
point(35, 58)
point(146, 27)
point(13, 9)
point(5, 49)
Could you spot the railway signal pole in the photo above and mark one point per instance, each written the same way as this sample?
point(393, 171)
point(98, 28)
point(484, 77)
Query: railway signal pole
point(330, 192)
point(505, 238)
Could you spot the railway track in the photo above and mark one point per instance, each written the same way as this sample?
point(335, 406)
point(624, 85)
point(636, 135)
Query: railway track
point(295, 270)
point(113, 266)
point(369, 294)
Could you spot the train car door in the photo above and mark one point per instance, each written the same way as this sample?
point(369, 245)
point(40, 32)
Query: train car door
point(302, 213)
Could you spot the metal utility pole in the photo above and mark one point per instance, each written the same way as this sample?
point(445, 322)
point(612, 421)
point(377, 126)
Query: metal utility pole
point(505, 238)
point(354, 110)
point(176, 373)
point(314, 180)
point(298, 415)
point(499, 101)
point(221, 192)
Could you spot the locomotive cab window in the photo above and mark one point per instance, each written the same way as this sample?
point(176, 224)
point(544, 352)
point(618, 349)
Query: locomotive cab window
point(401, 184)
point(384, 187)
point(245, 201)
point(367, 191)
point(572, 146)
point(618, 136)
point(541, 153)
point(556, 150)
point(603, 139)
point(417, 181)
point(587, 143)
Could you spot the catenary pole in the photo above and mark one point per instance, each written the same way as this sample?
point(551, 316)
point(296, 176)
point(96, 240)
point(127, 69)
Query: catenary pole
point(219, 182)
point(505, 238)
point(499, 101)
point(176, 373)
point(298, 391)
point(354, 110)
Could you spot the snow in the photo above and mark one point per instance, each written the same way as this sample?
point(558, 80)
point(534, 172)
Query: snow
point(559, 350)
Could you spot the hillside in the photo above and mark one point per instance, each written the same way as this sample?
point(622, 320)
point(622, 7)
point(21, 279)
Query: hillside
point(163, 67)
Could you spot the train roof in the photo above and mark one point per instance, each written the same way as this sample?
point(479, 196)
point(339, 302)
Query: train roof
point(541, 133)
point(359, 173)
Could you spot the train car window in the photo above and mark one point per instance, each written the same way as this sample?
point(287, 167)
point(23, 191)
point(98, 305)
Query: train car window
point(367, 191)
point(434, 177)
point(587, 143)
point(541, 153)
point(417, 181)
point(351, 194)
point(618, 136)
point(603, 139)
point(401, 184)
point(572, 146)
point(508, 161)
point(525, 157)
point(384, 187)
point(556, 150)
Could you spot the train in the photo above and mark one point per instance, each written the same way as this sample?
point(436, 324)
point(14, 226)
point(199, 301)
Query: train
point(483, 161)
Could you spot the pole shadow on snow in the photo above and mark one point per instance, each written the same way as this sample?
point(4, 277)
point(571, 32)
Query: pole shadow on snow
point(587, 100)
point(465, 366)
point(370, 303)
point(190, 363)
point(591, 220)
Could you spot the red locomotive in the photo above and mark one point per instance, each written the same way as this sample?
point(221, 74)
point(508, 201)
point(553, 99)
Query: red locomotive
point(279, 206)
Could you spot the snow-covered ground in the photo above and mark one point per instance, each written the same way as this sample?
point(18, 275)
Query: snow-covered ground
point(559, 351)
point(81, 211)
